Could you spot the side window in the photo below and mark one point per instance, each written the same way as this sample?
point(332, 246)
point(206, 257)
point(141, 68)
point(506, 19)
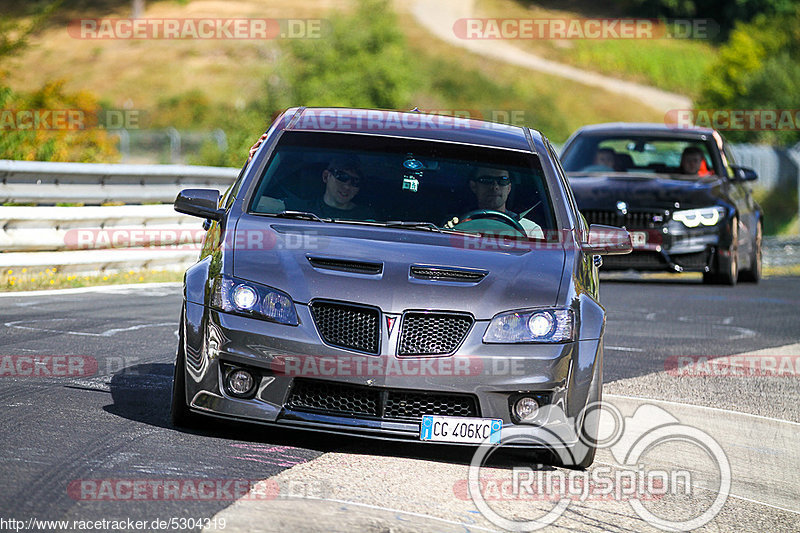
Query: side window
point(233, 190)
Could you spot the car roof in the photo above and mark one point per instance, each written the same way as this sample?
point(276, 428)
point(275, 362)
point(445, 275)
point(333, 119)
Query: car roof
point(410, 124)
point(645, 128)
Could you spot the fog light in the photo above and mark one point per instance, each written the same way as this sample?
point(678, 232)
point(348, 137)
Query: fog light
point(526, 408)
point(240, 382)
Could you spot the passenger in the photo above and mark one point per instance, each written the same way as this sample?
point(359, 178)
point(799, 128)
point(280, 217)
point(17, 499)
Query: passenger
point(491, 187)
point(343, 179)
point(693, 162)
point(604, 160)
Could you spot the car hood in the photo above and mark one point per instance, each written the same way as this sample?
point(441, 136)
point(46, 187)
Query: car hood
point(522, 277)
point(639, 191)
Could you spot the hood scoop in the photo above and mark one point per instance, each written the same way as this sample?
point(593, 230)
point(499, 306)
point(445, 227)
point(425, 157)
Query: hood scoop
point(434, 273)
point(346, 265)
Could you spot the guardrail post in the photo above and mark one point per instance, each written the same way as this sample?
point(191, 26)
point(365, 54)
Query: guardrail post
point(222, 140)
point(794, 153)
point(174, 145)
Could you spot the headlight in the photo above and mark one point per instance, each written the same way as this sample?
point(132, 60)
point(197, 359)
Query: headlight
point(707, 216)
point(533, 325)
point(251, 299)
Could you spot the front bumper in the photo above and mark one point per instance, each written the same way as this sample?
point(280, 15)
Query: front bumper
point(284, 357)
point(671, 248)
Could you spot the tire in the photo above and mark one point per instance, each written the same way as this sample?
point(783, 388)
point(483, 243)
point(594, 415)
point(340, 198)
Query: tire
point(727, 272)
point(753, 274)
point(180, 414)
point(581, 455)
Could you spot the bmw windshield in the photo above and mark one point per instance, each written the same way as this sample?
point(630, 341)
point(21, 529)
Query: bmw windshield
point(641, 154)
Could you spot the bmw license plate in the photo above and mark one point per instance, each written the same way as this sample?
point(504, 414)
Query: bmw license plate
point(638, 238)
point(459, 429)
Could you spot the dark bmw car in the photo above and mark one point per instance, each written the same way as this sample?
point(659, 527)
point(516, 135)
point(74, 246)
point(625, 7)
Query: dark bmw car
point(678, 191)
point(398, 276)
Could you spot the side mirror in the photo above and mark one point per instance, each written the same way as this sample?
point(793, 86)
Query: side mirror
point(744, 174)
point(199, 203)
point(608, 240)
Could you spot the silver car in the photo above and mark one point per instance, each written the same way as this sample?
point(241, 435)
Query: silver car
point(399, 276)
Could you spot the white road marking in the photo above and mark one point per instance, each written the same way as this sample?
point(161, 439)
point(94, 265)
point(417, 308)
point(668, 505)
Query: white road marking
point(623, 349)
point(679, 404)
point(109, 332)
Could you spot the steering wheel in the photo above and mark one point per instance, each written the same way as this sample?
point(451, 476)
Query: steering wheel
point(491, 214)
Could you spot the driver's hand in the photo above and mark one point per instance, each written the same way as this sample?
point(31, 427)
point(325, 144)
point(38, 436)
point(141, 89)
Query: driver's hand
point(450, 224)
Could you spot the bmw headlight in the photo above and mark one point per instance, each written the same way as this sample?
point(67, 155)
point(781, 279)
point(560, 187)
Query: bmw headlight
point(707, 216)
point(254, 300)
point(532, 325)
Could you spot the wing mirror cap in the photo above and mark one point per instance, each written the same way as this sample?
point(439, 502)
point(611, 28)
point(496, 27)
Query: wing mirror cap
point(608, 240)
point(744, 174)
point(201, 203)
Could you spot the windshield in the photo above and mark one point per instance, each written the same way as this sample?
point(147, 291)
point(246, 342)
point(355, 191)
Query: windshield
point(640, 154)
point(418, 184)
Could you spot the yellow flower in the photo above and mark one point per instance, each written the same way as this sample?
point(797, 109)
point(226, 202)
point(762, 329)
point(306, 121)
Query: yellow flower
point(11, 282)
point(24, 270)
point(105, 278)
point(141, 278)
point(10, 272)
point(52, 281)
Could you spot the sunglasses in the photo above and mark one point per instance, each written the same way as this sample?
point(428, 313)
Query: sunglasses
point(502, 181)
point(344, 177)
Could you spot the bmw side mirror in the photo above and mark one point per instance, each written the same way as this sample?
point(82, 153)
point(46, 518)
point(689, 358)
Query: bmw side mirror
point(744, 174)
point(199, 203)
point(607, 240)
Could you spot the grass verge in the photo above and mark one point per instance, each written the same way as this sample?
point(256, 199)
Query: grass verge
point(13, 280)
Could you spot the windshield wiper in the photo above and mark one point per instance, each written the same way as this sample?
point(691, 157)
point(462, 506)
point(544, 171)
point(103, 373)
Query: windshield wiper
point(412, 225)
point(301, 215)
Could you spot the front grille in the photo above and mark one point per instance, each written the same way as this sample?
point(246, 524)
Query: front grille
point(694, 261)
point(369, 402)
point(334, 398)
point(344, 265)
point(446, 274)
point(412, 405)
point(631, 220)
point(432, 333)
point(347, 326)
point(634, 260)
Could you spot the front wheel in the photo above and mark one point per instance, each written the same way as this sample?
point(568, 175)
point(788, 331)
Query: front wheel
point(753, 274)
point(727, 267)
point(180, 414)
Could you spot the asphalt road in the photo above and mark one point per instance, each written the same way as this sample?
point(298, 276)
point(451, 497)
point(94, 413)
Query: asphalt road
point(65, 440)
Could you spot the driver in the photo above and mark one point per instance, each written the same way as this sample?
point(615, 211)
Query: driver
point(491, 187)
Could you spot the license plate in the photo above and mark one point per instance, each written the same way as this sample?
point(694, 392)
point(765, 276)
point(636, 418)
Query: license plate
point(638, 238)
point(458, 429)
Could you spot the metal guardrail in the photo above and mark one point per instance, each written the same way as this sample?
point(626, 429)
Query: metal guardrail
point(98, 238)
point(90, 183)
point(781, 251)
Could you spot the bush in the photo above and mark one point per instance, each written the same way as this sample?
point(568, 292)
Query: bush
point(361, 61)
point(88, 145)
point(758, 68)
